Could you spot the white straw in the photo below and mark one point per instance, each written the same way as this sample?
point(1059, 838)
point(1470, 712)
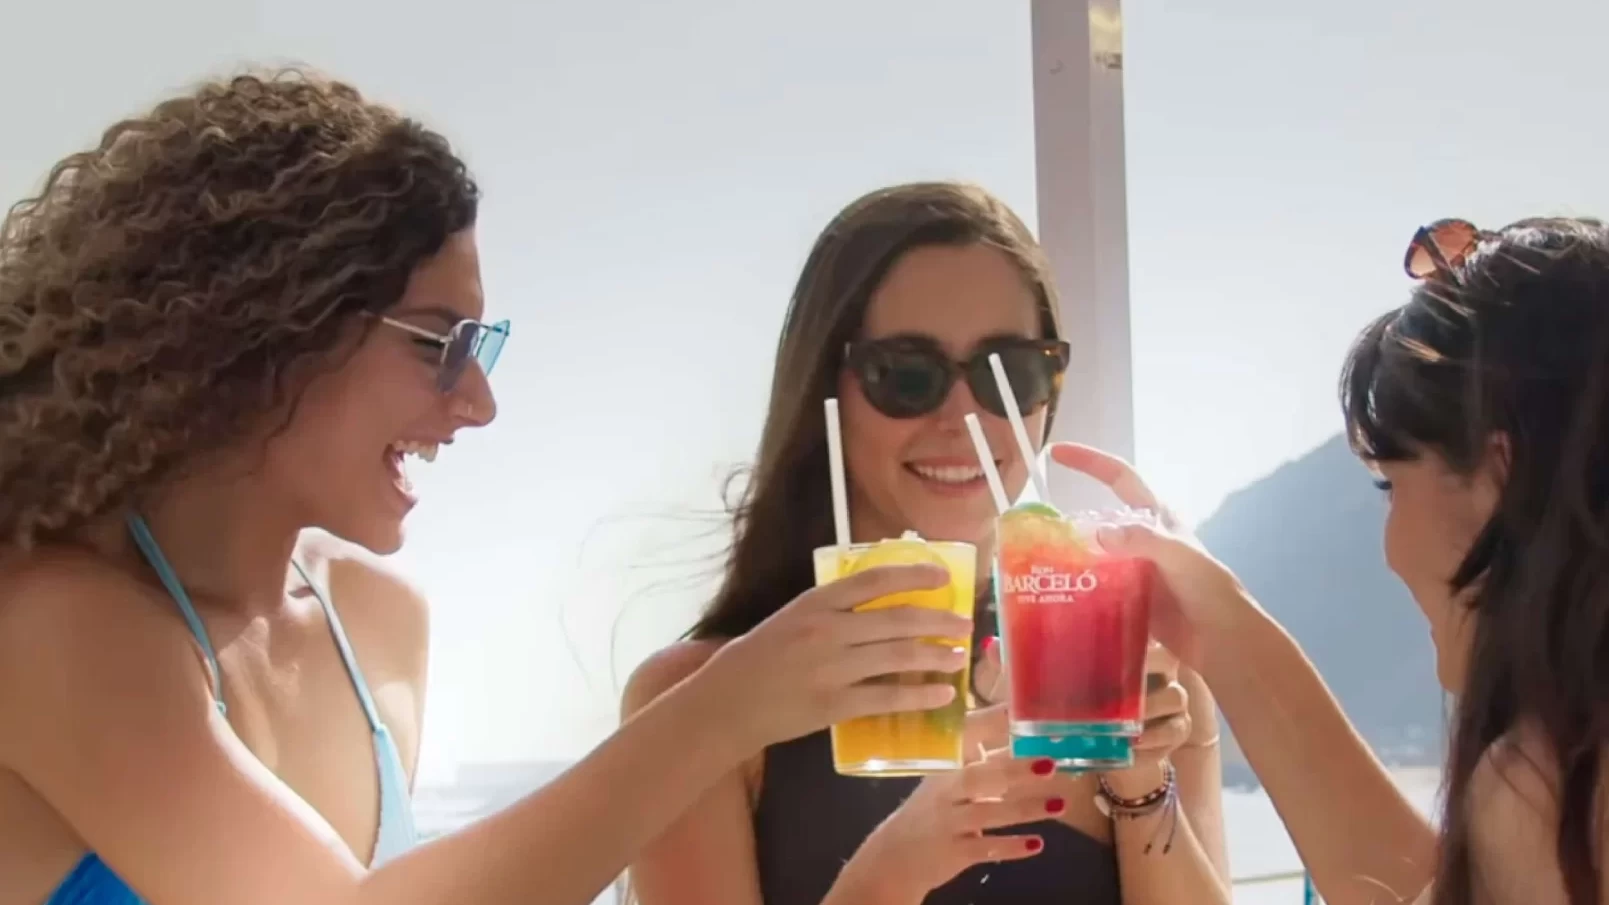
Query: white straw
point(835, 459)
point(997, 488)
point(1018, 429)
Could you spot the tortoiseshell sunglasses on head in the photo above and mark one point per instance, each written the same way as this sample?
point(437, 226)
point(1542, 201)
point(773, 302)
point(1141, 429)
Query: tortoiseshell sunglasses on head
point(1441, 248)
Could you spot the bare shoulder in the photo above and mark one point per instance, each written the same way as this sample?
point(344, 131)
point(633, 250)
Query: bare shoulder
point(38, 584)
point(1514, 821)
point(1512, 796)
point(1515, 779)
point(60, 603)
point(663, 670)
point(374, 600)
point(70, 623)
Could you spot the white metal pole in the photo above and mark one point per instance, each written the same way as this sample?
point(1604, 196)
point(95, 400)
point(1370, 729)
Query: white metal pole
point(1083, 211)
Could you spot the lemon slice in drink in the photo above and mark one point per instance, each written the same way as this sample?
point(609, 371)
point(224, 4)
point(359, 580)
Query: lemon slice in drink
point(906, 551)
point(911, 550)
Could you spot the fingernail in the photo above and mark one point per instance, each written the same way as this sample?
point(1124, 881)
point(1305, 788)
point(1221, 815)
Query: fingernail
point(1033, 845)
point(989, 642)
point(1055, 806)
point(1044, 766)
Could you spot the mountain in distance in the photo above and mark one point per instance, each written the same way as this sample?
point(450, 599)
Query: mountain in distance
point(1306, 541)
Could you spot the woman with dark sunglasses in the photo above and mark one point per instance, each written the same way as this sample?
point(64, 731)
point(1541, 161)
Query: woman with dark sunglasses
point(1483, 407)
point(901, 302)
point(236, 318)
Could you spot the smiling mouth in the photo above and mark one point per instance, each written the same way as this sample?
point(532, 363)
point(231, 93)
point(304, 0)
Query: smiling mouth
point(950, 475)
point(397, 456)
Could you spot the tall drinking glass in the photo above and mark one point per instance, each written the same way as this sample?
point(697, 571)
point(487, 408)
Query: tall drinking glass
point(1075, 626)
point(907, 744)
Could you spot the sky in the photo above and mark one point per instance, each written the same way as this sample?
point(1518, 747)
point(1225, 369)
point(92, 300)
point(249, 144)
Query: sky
point(656, 172)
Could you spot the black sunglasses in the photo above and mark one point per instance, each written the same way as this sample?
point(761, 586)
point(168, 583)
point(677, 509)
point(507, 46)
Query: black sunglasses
point(911, 376)
point(466, 341)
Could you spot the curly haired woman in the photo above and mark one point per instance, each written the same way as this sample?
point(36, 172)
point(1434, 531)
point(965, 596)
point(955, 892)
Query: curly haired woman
point(230, 321)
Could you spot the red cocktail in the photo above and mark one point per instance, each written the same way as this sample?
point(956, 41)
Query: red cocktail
point(1075, 623)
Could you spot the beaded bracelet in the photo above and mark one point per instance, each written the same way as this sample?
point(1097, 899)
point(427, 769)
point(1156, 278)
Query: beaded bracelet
point(1164, 798)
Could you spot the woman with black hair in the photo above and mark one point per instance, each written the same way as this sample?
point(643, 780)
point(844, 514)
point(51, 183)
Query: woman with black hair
point(1483, 407)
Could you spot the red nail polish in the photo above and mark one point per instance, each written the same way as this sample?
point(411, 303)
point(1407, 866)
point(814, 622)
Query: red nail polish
point(1044, 766)
point(1033, 845)
point(1055, 806)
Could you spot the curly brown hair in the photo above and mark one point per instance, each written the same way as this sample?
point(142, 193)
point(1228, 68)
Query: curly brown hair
point(156, 293)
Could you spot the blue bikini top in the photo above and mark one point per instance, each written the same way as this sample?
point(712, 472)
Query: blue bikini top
point(91, 882)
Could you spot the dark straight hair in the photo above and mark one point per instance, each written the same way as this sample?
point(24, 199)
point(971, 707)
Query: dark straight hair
point(1507, 355)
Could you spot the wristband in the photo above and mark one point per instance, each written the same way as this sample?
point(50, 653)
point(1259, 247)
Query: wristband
point(1164, 799)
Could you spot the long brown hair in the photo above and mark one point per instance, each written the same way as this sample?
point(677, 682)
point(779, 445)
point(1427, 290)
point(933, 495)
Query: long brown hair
point(160, 289)
point(784, 510)
point(1514, 344)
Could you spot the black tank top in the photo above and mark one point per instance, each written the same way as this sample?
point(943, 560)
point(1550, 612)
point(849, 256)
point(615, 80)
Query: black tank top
point(809, 822)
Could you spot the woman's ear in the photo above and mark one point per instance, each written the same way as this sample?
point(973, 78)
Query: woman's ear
point(1491, 473)
point(1501, 451)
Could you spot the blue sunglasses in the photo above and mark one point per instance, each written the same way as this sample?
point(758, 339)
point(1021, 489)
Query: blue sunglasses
point(467, 341)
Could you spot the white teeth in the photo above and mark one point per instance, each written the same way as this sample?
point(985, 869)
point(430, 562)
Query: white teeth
point(949, 474)
point(425, 451)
